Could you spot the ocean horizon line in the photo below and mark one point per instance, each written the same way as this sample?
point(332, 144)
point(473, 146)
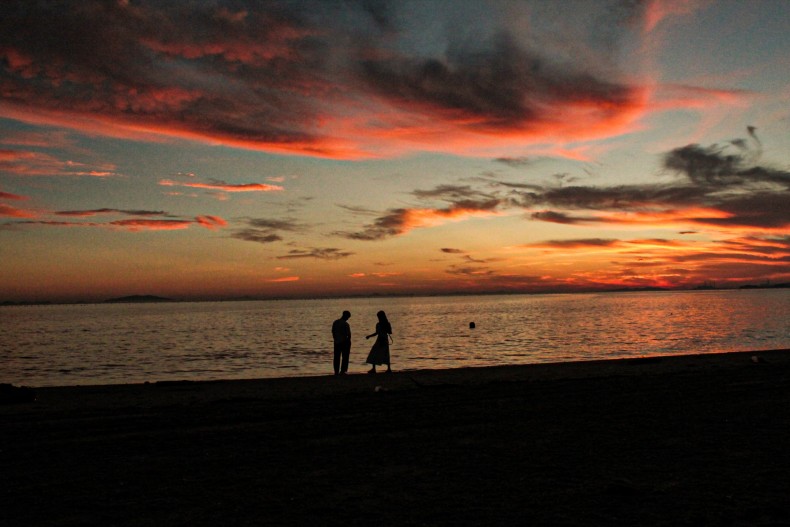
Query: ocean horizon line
point(150, 298)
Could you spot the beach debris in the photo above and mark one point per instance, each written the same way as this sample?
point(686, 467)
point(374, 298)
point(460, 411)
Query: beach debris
point(10, 394)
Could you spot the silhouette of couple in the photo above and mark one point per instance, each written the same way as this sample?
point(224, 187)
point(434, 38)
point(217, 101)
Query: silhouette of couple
point(379, 353)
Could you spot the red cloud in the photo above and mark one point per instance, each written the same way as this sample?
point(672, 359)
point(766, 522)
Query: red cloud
point(414, 218)
point(136, 225)
point(592, 244)
point(666, 262)
point(8, 195)
point(284, 279)
point(658, 10)
point(210, 222)
point(132, 224)
point(377, 275)
point(586, 243)
point(13, 212)
point(401, 221)
point(80, 213)
point(26, 163)
point(330, 84)
point(676, 96)
point(712, 218)
point(225, 187)
point(95, 212)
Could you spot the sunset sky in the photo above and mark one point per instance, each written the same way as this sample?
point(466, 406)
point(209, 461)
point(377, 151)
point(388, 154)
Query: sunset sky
point(219, 149)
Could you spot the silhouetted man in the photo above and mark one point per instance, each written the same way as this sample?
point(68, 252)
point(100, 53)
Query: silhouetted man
point(341, 333)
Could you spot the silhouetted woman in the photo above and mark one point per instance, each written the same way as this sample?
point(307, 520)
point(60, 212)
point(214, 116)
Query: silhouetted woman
point(380, 352)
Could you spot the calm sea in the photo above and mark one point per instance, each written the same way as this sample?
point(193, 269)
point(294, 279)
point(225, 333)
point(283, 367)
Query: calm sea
point(62, 345)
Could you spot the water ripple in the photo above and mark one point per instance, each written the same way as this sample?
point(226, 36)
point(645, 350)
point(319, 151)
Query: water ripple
point(118, 343)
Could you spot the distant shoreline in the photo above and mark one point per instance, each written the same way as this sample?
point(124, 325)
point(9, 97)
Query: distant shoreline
point(158, 299)
point(137, 299)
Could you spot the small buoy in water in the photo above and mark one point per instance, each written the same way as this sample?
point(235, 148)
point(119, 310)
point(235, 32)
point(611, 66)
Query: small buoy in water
point(471, 325)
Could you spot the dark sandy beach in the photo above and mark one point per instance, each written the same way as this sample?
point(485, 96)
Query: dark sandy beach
point(691, 440)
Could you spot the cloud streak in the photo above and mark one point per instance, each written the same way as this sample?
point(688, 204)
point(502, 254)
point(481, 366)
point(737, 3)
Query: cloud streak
point(267, 230)
point(9, 196)
point(222, 186)
point(717, 189)
point(13, 212)
point(135, 224)
point(399, 221)
point(31, 163)
point(283, 279)
point(318, 253)
point(463, 202)
point(96, 212)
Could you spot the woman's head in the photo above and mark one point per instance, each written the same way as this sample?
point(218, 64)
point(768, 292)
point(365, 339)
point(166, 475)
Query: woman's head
point(384, 322)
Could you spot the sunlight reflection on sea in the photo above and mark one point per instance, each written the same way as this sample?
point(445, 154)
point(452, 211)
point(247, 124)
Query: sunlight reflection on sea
point(125, 343)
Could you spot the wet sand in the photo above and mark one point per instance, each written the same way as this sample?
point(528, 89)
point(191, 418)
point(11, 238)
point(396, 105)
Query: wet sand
point(690, 440)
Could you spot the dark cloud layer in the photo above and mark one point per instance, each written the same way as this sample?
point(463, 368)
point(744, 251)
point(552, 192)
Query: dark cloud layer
point(257, 236)
point(147, 61)
point(711, 168)
point(713, 188)
point(94, 212)
point(734, 191)
point(267, 230)
point(392, 223)
point(452, 193)
point(498, 87)
point(289, 75)
point(319, 253)
point(515, 162)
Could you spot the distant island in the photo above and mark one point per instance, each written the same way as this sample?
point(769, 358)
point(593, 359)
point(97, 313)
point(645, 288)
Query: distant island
point(783, 285)
point(137, 299)
point(635, 289)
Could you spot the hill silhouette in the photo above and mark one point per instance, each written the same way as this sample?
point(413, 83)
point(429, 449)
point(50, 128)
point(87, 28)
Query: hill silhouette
point(138, 299)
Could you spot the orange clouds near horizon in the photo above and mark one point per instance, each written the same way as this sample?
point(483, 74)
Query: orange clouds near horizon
point(284, 279)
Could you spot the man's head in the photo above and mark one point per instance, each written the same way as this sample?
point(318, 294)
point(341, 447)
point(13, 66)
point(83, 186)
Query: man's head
point(346, 315)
